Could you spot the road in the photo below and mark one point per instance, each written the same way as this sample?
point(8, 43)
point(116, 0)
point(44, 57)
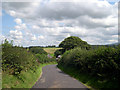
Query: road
point(52, 77)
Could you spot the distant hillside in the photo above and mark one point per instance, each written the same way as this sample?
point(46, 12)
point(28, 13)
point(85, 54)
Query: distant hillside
point(115, 43)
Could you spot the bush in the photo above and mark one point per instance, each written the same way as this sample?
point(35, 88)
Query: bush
point(59, 52)
point(38, 50)
point(15, 59)
point(42, 58)
point(103, 62)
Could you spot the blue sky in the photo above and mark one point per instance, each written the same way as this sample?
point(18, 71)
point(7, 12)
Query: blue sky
point(40, 25)
point(7, 23)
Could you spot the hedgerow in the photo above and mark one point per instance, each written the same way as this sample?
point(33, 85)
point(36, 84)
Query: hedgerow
point(16, 59)
point(42, 58)
point(103, 62)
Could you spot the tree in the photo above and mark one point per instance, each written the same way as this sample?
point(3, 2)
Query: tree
point(72, 42)
point(59, 52)
point(6, 44)
point(38, 50)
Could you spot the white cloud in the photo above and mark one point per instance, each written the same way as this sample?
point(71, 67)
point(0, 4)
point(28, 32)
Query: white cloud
point(51, 22)
point(2, 38)
point(16, 34)
point(33, 38)
point(41, 37)
point(35, 27)
point(17, 27)
point(20, 26)
point(12, 13)
point(18, 20)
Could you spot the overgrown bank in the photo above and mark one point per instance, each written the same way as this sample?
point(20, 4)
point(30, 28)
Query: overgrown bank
point(99, 68)
point(22, 67)
point(23, 80)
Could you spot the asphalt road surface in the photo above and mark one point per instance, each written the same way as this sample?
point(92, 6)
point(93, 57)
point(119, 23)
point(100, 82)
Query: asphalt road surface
point(52, 77)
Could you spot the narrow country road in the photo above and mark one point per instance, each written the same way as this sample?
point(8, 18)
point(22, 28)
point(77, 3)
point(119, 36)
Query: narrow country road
point(52, 77)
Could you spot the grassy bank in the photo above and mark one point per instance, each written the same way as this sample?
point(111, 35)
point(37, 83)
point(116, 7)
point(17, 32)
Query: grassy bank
point(91, 82)
point(24, 79)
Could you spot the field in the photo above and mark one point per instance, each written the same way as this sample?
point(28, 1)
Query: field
point(51, 50)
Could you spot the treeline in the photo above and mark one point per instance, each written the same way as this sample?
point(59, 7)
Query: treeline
point(101, 62)
point(49, 46)
point(16, 59)
point(97, 46)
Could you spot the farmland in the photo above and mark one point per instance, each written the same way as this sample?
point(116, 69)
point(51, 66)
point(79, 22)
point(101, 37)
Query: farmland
point(51, 50)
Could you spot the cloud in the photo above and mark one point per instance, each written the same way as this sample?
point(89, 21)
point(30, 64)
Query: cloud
point(12, 13)
point(51, 22)
point(21, 27)
point(16, 34)
point(35, 27)
point(33, 38)
point(40, 37)
point(18, 20)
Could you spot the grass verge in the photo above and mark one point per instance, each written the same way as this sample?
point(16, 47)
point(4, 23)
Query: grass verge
point(24, 80)
point(93, 83)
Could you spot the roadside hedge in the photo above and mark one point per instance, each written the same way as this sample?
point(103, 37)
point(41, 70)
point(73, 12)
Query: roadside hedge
point(16, 59)
point(103, 62)
point(42, 58)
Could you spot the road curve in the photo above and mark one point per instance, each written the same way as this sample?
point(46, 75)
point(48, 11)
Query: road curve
point(52, 77)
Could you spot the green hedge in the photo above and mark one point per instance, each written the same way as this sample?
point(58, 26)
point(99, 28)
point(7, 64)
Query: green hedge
point(42, 58)
point(103, 62)
point(16, 59)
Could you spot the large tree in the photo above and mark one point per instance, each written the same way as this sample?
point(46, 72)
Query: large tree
point(72, 42)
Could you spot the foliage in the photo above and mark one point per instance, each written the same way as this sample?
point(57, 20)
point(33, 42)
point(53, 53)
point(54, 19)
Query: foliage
point(23, 80)
point(15, 59)
point(59, 52)
point(92, 82)
point(103, 62)
point(72, 42)
point(50, 46)
point(42, 58)
point(37, 50)
point(6, 44)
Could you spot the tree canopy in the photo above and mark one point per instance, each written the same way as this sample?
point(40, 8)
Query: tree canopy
point(72, 42)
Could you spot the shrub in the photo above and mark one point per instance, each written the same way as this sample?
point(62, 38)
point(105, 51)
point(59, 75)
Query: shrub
point(103, 62)
point(15, 59)
point(59, 52)
point(38, 50)
point(42, 58)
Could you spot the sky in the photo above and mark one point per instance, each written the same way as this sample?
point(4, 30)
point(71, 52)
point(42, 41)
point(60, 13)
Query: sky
point(49, 22)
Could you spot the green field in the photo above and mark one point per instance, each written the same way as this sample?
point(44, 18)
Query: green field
point(51, 50)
